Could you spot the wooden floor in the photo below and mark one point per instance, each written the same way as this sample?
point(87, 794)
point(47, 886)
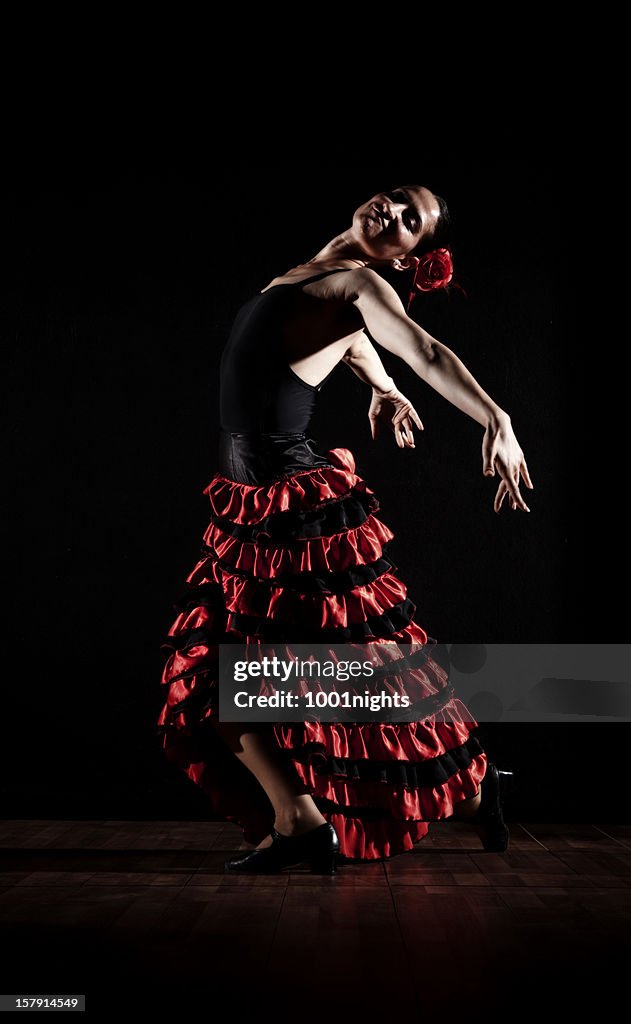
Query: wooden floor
point(141, 913)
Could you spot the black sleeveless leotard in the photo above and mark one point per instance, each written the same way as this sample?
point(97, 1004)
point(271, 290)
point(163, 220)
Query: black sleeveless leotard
point(264, 407)
point(258, 388)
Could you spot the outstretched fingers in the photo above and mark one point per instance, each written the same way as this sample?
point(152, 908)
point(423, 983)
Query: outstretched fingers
point(502, 491)
point(417, 419)
point(402, 426)
point(525, 474)
point(400, 433)
point(510, 486)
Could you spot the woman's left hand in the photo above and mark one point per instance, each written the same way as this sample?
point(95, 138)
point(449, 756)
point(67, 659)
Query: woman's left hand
point(501, 451)
point(394, 410)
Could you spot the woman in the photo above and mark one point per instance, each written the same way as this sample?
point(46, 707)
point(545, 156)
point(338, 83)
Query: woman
point(294, 551)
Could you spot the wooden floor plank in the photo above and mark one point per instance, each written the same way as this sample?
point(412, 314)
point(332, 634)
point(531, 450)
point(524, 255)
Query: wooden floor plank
point(571, 837)
point(621, 833)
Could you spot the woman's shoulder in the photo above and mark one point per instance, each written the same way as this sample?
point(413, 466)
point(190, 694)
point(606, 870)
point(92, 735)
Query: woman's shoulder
point(306, 271)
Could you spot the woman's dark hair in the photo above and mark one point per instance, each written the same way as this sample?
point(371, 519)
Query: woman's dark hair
point(441, 235)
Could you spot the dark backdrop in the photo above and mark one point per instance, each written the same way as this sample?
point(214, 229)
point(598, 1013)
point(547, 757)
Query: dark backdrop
point(118, 292)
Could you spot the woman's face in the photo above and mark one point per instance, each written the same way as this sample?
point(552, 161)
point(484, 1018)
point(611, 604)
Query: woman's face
point(392, 224)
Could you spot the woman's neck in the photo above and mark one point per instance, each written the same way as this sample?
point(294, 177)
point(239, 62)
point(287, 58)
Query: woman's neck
point(344, 247)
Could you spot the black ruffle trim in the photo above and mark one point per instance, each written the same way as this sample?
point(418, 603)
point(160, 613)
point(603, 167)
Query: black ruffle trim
point(188, 638)
point(210, 665)
point(412, 774)
point(335, 516)
point(391, 621)
point(324, 582)
point(199, 701)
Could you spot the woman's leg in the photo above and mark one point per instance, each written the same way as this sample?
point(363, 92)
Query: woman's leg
point(467, 808)
point(255, 745)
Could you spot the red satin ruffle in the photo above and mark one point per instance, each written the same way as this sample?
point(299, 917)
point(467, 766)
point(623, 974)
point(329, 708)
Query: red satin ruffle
point(372, 840)
point(359, 546)
point(313, 610)
point(384, 741)
point(306, 489)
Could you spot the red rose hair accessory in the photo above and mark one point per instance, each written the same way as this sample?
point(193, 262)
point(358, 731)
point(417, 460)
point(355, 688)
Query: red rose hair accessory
point(433, 270)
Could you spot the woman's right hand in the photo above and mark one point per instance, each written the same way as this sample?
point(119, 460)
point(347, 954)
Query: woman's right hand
point(501, 452)
point(393, 410)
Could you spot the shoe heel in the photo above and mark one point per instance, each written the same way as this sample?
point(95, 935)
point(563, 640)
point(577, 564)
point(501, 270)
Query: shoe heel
point(324, 863)
point(507, 782)
point(494, 833)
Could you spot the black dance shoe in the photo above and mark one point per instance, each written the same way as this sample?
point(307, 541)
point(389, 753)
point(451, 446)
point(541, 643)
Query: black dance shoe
point(319, 848)
point(489, 819)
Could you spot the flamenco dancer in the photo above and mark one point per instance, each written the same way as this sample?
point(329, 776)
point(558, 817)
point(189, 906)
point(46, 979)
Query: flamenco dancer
point(295, 552)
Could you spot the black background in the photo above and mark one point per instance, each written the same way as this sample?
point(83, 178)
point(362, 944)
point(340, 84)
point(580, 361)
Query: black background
point(118, 291)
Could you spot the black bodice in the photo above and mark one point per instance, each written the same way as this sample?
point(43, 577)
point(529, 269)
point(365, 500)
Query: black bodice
point(259, 392)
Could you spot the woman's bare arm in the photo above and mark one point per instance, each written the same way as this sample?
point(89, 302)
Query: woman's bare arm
point(383, 313)
point(388, 406)
point(387, 322)
point(365, 362)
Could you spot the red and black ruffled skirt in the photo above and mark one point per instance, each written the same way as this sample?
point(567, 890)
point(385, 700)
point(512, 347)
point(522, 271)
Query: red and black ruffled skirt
point(295, 551)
